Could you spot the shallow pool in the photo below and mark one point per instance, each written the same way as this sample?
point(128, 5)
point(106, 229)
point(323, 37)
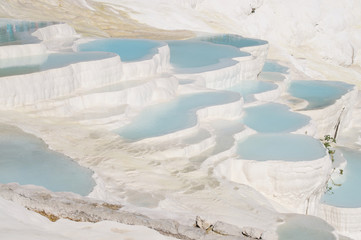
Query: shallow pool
point(173, 116)
point(129, 50)
point(274, 117)
point(247, 88)
point(281, 146)
point(348, 195)
point(274, 66)
point(319, 94)
point(38, 63)
point(233, 40)
point(26, 159)
point(304, 227)
point(198, 56)
point(14, 32)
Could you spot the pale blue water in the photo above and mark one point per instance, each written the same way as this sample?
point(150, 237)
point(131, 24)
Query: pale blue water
point(26, 159)
point(304, 227)
point(233, 40)
point(15, 32)
point(196, 55)
point(348, 195)
point(281, 146)
point(247, 88)
point(173, 116)
point(31, 64)
point(319, 94)
point(273, 66)
point(129, 50)
point(273, 117)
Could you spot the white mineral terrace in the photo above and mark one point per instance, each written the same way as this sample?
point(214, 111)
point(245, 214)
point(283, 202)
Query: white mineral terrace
point(167, 144)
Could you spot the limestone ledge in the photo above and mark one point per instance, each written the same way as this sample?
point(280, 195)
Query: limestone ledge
point(296, 185)
point(180, 150)
point(227, 73)
point(30, 88)
point(328, 117)
point(230, 110)
point(157, 64)
point(345, 220)
point(137, 96)
point(259, 52)
point(19, 51)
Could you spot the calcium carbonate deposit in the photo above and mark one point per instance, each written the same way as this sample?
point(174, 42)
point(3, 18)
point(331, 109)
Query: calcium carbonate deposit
point(180, 119)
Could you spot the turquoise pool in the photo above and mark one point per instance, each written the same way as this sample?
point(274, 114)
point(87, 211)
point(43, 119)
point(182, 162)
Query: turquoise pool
point(173, 116)
point(38, 63)
point(129, 50)
point(274, 66)
point(348, 195)
point(232, 40)
point(280, 146)
point(247, 88)
point(319, 94)
point(252, 87)
point(198, 56)
point(304, 227)
point(273, 118)
point(26, 159)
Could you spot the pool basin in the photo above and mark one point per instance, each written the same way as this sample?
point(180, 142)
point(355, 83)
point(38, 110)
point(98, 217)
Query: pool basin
point(129, 50)
point(197, 56)
point(273, 118)
point(232, 40)
point(346, 194)
point(319, 94)
point(301, 227)
point(26, 159)
point(274, 66)
point(280, 146)
point(173, 116)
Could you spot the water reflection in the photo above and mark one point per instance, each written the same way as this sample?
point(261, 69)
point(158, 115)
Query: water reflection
point(14, 32)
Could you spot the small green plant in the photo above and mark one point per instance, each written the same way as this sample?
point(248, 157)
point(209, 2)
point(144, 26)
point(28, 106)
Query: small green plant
point(329, 189)
point(328, 142)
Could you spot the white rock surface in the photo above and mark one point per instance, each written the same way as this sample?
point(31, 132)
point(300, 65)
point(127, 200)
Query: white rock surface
point(297, 185)
point(53, 32)
point(345, 220)
point(30, 88)
point(18, 51)
point(309, 35)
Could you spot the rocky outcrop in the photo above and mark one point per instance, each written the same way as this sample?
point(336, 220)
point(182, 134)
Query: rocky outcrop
point(83, 209)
